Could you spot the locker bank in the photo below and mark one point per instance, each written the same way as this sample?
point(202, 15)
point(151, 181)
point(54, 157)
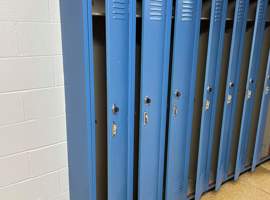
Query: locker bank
point(165, 99)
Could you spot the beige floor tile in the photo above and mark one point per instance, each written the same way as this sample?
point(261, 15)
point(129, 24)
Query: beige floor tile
point(259, 179)
point(250, 186)
point(266, 165)
point(237, 191)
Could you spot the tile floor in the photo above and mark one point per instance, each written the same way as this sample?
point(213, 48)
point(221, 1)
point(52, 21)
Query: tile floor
point(250, 186)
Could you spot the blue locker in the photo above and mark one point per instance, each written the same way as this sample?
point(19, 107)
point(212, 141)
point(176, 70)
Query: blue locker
point(213, 67)
point(262, 118)
point(251, 86)
point(156, 32)
point(230, 103)
point(184, 68)
point(120, 52)
point(80, 106)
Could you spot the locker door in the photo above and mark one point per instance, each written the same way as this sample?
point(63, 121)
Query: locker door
point(230, 103)
point(184, 68)
point(120, 41)
point(213, 67)
point(77, 40)
point(156, 31)
point(262, 118)
point(251, 86)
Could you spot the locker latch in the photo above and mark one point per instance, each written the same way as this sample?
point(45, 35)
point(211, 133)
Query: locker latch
point(229, 99)
point(175, 110)
point(267, 89)
point(249, 93)
point(114, 129)
point(145, 118)
point(147, 101)
point(177, 95)
point(207, 105)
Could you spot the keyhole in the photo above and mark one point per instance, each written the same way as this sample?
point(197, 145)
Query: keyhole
point(115, 109)
point(177, 94)
point(209, 89)
point(147, 100)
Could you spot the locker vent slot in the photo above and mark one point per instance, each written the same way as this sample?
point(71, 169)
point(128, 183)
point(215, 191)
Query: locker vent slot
point(187, 10)
point(120, 9)
point(218, 10)
point(240, 11)
point(156, 9)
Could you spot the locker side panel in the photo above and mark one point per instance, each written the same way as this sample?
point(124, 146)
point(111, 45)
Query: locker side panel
point(196, 121)
point(79, 91)
point(251, 86)
point(184, 68)
point(233, 77)
point(120, 49)
point(156, 31)
point(258, 99)
point(265, 52)
point(213, 66)
point(240, 97)
point(262, 117)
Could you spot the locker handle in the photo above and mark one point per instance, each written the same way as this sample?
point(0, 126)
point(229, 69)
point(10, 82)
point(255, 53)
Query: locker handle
point(267, 89)
point(249, 94)
point(175, 110)
point(114, 129)
point(229, 99)
point(145, 118)
point(207, 104)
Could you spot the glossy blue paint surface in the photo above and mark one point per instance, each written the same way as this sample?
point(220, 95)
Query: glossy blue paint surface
point(213, 68)
point(184, 68)
point(156, 32)
point(230, 102)
point(262, 117)
point(79, 90)
point(120, 49)
point(254, 64)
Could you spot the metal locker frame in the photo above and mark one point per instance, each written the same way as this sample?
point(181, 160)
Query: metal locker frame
point(77, 43)
point(262, 117)
point(228, 121)
point(156, 32)
point(213, 67)
point(184, 69)
point(120, 53)
point(251, 85)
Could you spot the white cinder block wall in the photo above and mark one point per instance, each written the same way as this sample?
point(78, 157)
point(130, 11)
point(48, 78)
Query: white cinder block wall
point(33, 154)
